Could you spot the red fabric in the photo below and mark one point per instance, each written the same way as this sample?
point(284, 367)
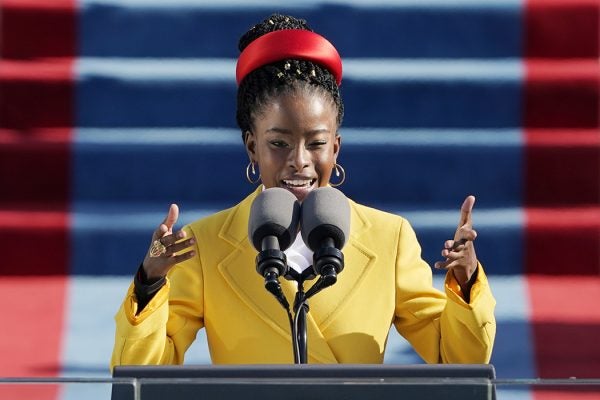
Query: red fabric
point(39, 41)
point(566, 328)
point(38, 28)
point(562, 94)
point(32, 331)
point(563, 241)
point(573, 393)
point(289, 44)
point(561, 120)
point(36, 94)
point(562, 28)
point(34, 242)
point(562, 167)
point(40, 161)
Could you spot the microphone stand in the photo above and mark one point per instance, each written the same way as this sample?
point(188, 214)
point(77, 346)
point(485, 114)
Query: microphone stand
point(300, 310)
point(299, 336)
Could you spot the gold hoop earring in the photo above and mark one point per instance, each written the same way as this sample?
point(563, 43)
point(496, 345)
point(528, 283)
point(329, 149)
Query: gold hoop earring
point(248, 167)
point(337, 169)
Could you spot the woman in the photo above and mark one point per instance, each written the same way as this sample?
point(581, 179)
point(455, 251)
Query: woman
point(289, 112)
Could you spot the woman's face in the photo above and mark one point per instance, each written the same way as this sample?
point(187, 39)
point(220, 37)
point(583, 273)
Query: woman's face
point(295, 142)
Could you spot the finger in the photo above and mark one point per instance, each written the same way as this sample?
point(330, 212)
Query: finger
point(459, 244)
point(453, 256)
point(167, 225)
point(465, 233)
point(456, 245)
point(182, 257)
point(466, 211)
point(177, 247)
point(446, 252)
point(169, 240)
point(458, 248)
point(172, 216)
point(165, 261)
point(161, 231)
point(448, 264)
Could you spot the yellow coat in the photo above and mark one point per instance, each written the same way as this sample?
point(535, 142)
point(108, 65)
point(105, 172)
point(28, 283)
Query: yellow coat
point(384, 282)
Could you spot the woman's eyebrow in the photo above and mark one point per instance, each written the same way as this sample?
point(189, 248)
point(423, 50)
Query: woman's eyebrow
point(317, 131)
point(279, 130)
point(289, 132)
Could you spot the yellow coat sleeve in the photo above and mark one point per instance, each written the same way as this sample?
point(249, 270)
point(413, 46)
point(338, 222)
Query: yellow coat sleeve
point(168, 325)
point(441, 328)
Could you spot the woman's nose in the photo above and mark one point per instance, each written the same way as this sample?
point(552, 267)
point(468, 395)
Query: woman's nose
point(299, 158)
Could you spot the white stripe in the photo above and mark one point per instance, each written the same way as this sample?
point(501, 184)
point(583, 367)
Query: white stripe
point(171, 69)
point(511, 293)
point(126, 219)
point(436, 137)
point(92, 303)
point(447, 219)
point(350, 136)
point(433, 69)
point(512, 297)
point(87, 216)
point(367, 69)
point(157, 136)
point(270, 4)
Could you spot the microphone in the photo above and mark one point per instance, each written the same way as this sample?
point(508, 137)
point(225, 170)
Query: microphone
point(325, 230)
point(272, 228)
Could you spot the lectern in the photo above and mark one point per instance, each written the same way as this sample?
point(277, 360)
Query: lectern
point(308, 381)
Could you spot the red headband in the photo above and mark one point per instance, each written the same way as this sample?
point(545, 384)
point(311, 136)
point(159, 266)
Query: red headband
point(292, 44)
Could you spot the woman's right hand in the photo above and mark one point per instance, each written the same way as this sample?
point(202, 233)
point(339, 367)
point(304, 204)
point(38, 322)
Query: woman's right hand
point(160, 257)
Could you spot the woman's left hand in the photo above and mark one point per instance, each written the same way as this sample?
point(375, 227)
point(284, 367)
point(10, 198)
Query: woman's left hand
point(460, 252)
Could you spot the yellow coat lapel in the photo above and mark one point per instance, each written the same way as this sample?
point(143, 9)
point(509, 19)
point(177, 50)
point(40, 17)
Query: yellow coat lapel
point(326, 306)
point(238, 270)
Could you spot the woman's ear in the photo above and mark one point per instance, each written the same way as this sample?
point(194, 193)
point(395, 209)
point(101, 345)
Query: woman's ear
point(337, 143)
point(250, 143)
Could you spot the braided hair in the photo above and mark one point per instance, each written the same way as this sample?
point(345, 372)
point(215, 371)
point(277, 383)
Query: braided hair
point(281, 77)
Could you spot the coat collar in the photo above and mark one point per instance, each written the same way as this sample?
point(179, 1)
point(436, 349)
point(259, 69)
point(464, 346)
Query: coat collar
point(249, 286)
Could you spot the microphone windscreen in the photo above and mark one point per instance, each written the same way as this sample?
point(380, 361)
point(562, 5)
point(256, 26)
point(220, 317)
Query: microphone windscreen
point(274, 212)
point(325, 214)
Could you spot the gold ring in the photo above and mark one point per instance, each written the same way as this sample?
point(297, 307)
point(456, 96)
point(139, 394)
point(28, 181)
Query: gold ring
point(157, 249)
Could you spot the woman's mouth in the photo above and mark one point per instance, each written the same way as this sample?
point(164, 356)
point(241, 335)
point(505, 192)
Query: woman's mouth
point(298, 183)
point(299, 187)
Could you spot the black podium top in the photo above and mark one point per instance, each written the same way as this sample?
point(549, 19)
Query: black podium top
point(308, 381)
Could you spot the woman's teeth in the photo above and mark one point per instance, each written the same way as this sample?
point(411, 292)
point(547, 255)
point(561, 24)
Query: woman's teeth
point(297, 182)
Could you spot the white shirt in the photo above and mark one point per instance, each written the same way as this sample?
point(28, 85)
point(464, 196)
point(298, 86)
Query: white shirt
point(299, 256)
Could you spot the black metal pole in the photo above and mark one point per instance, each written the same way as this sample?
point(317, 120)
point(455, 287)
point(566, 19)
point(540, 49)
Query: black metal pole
point(300, 308)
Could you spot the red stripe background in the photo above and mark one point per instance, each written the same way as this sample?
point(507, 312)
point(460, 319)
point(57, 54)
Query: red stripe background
point(562, 188)
point(36, 120)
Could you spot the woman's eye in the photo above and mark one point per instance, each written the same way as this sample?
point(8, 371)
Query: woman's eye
point(278, 143)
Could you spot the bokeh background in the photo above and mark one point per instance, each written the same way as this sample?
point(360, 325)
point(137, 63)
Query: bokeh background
point(110, 110)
